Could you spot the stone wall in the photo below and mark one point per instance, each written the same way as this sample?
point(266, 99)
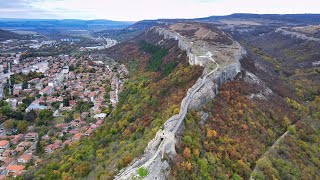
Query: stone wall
point(204, 90)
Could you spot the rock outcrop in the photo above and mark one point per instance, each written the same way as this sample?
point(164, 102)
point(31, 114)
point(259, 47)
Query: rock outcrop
point(296, 35)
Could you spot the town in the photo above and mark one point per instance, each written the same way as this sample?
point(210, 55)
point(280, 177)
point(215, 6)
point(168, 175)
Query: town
point(49, 102)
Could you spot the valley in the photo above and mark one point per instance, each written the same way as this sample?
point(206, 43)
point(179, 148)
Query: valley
point(222, 97)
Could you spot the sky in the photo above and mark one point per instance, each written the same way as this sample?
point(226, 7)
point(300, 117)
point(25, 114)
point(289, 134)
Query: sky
point(134, 10)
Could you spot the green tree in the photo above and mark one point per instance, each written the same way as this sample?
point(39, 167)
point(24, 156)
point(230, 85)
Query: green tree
point(22, 126)
point(5, 110)
point(39, 148)
point(83, 169)
point(45, 116)
point(142, 172)
point(8, 125)
point(30, 116)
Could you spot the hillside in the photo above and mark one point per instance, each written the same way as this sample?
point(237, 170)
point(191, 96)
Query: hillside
point(278, 87)
point(5, 35)
point(152, 94)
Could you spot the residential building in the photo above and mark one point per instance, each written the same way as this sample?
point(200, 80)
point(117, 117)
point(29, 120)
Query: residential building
point(76, 137)
point(4, 144)
point(47, 90)
point(25, 158)
point(31, 136)
point(15, 168)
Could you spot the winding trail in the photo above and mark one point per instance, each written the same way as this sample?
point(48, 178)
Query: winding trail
point(267, 152)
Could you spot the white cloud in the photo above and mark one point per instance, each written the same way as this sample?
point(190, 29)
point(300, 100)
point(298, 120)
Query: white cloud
point(153, 9)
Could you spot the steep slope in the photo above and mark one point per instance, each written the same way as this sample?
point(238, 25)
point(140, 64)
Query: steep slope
point(287, 159)
point(226, 137)
point(208, 47)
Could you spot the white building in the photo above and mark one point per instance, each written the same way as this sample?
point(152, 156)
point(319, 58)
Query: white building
point(65, 69)
point(31, 136)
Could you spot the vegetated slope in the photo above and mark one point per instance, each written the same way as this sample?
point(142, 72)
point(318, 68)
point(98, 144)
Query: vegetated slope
point(152, 94)
point(287, 62)
point(227, 136)
point(5, 35)
point(297, 155)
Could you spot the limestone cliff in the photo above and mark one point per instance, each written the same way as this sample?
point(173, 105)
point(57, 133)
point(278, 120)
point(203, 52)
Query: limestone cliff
point(221, 63)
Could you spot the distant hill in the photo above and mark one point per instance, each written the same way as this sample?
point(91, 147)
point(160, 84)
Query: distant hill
point(63, 24)
point(5, 35)
point(289, 18)
point(134, 29)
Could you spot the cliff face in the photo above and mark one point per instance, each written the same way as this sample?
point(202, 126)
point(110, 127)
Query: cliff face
point(182, 43)
point(224, 74)
point(210, 89)
point(221, 63)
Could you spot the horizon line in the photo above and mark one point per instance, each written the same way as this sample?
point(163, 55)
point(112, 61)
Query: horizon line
point(157, 18)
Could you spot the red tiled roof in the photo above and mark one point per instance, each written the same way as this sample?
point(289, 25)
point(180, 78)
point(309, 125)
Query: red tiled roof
point(4, 142)
point(77, 136)
point(15, 168)
point(26, 157)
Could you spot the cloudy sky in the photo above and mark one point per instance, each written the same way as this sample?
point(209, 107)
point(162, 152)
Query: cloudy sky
point(133, 10)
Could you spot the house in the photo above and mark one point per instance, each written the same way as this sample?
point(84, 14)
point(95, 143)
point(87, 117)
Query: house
point(31, 136)
point(35, 105)
point(76, 137)
point(47, 90)
point(5, 162)
point(16, 92)
point(17, 86)
point(24, 144)
point(73, 131)
point(12, 102)
point(19, 149)
point(93, 126)
point(8, 153)
point(72, 102)
point(39, 85)
point(15, 168)
point(99, 122)
point(88, 132)
point(58, 142)
point(25, 158)
point(4, 144)
point(52, 147)
point(67, 142)
point(17, 138)
point(100, 116)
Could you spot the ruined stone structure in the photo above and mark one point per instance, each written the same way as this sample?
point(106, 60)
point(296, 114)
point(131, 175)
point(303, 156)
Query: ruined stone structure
point(205, 89)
